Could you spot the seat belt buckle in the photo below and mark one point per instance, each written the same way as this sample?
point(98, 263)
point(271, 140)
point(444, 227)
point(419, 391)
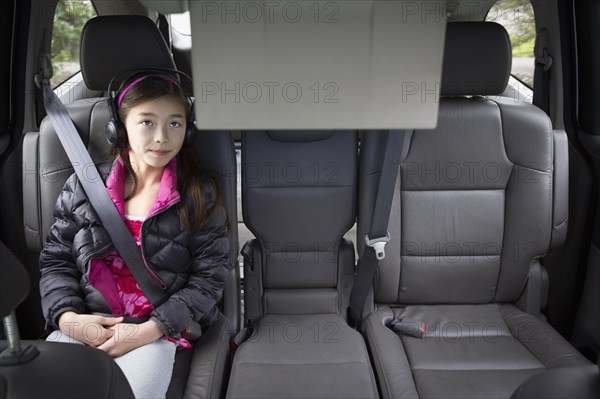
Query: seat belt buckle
point(240, 338)
point(378, 244)
point(411, 327)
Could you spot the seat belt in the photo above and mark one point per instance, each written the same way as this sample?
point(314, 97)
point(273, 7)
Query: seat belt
point(378, 235)
point(541, 76)
point(98, 195)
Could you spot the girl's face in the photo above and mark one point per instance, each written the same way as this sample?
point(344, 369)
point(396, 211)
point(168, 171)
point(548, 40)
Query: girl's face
point(155, 131)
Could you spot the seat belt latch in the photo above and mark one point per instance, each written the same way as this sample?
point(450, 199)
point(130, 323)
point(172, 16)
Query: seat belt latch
point(378, 244)
point(240, 338)
point(411, 327)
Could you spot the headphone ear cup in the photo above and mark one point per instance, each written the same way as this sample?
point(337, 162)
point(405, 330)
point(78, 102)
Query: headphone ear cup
point(115, 133)
point(114, 129)
point(190, 128)
point(190, 134)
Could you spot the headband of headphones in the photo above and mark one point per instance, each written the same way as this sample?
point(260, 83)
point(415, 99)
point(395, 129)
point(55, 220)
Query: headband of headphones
point(139, 79)
point(164, 73)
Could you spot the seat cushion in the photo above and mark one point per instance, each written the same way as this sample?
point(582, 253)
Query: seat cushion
point(468, 351)
point(302, 356)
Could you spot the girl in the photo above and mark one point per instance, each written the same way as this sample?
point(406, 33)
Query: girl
point(175, 215)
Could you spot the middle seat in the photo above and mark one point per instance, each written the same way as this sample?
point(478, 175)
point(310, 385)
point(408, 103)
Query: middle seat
point(299, 193)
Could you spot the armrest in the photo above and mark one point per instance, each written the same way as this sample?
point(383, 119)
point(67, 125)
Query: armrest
point(253, 281)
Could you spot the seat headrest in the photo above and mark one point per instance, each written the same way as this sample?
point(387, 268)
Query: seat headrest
point(477, 59)
point(14, 284)
point(110, 44)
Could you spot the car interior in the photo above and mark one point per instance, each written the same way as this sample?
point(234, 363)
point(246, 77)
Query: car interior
point(321, 121)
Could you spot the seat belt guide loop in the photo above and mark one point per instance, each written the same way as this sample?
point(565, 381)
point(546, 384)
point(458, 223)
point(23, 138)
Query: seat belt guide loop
point(378, 244)
point(45, 72)
point(541, 53)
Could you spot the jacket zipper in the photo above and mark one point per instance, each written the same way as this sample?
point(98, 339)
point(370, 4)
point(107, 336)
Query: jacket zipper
point(110, 245)
point(88, 257)
point(162, 284)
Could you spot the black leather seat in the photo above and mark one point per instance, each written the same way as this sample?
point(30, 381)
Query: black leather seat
point(110, 45)
point(581, 382)
point(478, 202)
point(299, 198)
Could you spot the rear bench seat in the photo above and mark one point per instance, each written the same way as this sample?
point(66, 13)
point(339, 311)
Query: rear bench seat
point(111, 44)
point(471, 218)
point(299, 198)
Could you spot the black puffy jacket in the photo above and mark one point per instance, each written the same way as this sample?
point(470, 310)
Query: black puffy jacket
point(193, 267)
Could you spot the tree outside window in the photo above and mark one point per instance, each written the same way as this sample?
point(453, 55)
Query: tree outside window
point(518, 19)
point(69, 18)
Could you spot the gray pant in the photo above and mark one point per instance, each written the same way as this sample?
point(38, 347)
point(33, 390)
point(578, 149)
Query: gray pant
point(148, 368)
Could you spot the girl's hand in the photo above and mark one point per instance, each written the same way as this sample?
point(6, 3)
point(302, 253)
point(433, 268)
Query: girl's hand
point(90, 329)
point(128, 337)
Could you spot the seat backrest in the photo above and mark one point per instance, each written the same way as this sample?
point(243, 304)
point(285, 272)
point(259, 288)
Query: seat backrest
point(109, 45)
point(474, 207)
point(215, 151)
point(299, 198)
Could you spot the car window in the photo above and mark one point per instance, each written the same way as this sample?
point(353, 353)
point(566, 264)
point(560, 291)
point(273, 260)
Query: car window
point(69, 18)
point(181, 23)
point(518, 19)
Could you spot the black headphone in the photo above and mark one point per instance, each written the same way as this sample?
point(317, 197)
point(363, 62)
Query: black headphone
point(115, 129)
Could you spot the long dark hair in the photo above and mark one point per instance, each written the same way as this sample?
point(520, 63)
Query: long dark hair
point(192, 181)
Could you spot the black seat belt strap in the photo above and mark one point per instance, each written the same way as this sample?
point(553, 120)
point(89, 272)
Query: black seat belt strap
point(378, 235)
point(99, 198)
point(541, 77)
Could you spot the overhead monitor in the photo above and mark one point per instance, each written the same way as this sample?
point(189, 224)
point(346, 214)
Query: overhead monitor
point(317, 64)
